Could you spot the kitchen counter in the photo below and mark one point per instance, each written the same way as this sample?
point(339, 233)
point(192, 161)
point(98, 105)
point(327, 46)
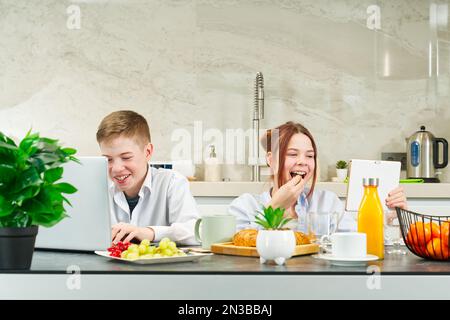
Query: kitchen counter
point(224, 277)
point(235, 189)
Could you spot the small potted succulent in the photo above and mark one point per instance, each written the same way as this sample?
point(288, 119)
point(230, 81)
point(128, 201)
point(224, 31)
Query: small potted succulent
point(29, 194)
point(274, 242)
point(341, 170)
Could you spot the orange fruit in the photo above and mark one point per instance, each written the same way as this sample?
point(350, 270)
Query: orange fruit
point(437, 249)
point(445, 228)
point(434, 228)
point(419, 250)
point(419, 234)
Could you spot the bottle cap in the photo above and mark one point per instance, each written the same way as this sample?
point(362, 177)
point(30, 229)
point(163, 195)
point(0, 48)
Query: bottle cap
point(371, 182)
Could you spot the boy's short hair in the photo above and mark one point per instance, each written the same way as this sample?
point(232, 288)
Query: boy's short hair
point(125, 123)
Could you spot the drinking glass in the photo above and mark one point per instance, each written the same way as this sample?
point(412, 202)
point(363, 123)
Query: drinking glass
point(393, 233)
point(320, 224)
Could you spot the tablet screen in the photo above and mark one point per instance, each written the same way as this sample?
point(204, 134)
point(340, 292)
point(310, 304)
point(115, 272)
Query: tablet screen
point(388, 173)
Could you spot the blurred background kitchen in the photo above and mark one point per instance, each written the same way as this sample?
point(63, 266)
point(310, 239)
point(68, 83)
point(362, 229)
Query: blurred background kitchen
point(361, 75)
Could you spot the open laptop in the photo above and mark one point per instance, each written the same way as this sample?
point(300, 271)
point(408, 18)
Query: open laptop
point(88, 226)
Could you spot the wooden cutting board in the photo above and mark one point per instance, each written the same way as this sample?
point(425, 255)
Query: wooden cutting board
point(230, 249)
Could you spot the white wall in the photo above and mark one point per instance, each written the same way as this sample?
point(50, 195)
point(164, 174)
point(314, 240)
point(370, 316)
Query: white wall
point(359, 91)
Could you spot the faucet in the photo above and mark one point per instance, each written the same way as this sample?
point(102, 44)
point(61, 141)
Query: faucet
point(258, 114)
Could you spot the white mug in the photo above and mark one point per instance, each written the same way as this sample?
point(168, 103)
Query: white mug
point(214, 229)
point(347, 244)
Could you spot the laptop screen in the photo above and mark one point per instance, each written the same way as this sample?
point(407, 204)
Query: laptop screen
point(88, 226)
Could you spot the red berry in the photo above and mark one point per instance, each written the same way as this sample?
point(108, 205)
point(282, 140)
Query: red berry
point(116, 249)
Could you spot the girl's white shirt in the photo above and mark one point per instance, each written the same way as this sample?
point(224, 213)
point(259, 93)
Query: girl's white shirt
point(246, 207)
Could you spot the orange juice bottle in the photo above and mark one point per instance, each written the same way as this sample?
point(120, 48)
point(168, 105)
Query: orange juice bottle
point(370, 218)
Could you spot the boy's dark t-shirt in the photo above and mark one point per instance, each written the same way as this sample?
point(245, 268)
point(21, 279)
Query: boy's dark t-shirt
point(132, 202)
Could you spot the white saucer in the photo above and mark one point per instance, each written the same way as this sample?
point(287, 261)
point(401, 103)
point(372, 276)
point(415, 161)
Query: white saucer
point(346, 261)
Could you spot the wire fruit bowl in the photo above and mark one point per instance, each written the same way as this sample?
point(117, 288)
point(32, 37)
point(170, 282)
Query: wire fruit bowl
point(426, 236)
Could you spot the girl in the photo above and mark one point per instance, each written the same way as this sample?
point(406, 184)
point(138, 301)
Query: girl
point(293, 161)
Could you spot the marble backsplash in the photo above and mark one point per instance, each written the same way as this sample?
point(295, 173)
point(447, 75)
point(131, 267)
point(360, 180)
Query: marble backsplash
point(361, 75)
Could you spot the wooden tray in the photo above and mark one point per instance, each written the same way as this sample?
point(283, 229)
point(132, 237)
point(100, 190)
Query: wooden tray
point(230, 249)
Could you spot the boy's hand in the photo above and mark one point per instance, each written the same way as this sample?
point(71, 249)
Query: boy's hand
point(121, 229)
point(397, 198)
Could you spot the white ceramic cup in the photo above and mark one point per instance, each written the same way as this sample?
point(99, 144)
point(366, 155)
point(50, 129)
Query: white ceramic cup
point(347, 244)
point(215, 229)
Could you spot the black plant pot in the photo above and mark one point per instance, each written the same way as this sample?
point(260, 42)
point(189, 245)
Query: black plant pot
point(17, 247)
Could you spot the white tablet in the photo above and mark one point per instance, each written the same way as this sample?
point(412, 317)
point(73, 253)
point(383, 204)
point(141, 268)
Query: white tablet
point(388, 173)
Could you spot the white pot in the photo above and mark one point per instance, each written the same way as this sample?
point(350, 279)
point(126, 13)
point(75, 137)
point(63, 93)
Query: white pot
point(277, 245)
point(341, 174)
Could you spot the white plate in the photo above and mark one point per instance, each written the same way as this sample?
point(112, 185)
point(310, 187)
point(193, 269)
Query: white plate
point(188, 257)
point(346, 261)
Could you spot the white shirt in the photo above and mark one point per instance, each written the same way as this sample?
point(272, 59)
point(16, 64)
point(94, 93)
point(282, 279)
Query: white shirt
point(246, 207)
point(165, 204)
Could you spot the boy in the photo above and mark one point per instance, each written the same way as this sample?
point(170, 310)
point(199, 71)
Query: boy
point(147, 203)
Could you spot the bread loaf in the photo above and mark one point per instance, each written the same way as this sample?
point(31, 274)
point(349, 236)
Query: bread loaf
point(301, 238)
point(247, 238)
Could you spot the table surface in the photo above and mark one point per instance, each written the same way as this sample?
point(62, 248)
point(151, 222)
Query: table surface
point(58, 275)
point(90, 263)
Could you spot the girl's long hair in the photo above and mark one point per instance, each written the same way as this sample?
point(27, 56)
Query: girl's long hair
point(276, 141)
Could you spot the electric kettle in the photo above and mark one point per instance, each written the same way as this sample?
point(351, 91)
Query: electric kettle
point(422, 155)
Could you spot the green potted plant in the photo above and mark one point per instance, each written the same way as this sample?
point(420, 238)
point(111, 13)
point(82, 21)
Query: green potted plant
point(341, 170)
point(274, 242)
point(30, 195)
